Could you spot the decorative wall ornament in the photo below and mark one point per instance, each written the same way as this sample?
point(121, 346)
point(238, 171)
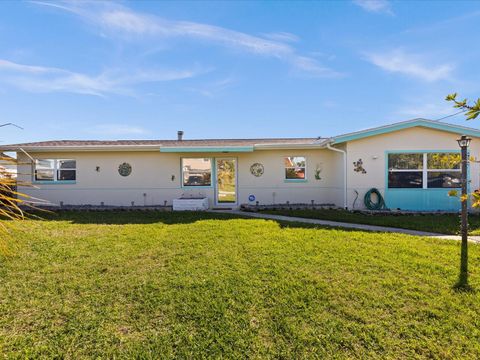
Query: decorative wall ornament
point(257, 169)
point(358, 167)
point(318, 170)
point(125, 169)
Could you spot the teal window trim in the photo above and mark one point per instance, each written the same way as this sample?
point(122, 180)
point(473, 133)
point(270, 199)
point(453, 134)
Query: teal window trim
point(387, 152)
point(212, 173)
point(289, 167)
point(295, 180)
point(57, 182)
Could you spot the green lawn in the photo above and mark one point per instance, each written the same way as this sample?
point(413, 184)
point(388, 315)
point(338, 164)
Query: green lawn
point(442, 223)
point(173, 285)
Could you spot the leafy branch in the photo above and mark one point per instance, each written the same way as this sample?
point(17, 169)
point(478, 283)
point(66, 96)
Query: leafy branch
point(471, 110)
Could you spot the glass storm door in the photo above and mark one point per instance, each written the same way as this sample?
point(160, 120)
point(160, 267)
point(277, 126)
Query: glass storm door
point(226, 181)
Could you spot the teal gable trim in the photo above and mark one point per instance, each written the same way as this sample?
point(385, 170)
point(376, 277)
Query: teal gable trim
point(61, 182)
point(206, 149)
point(406, 125)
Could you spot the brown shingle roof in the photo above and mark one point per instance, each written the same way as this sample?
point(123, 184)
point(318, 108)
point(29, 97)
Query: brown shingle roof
point(183, 143)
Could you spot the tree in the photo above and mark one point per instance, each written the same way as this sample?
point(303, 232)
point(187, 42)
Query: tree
point(471, 110)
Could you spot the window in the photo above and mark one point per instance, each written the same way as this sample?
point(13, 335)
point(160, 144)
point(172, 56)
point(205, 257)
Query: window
point(197, 172)
point(295, 168)
point(55, 170)
point(405, 170)
point(444, 170)
point(424, 170)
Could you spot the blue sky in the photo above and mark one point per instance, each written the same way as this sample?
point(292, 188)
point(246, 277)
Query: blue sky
point(143, 70)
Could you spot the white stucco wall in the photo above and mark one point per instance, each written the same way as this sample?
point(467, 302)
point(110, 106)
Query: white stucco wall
point(152, 175)
point(151, 180)
point(372, 151)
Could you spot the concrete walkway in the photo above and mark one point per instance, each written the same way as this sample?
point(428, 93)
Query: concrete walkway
point(339, 224)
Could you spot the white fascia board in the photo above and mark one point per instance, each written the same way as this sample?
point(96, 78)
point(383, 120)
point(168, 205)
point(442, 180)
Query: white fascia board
point(83, 148)
point(320, 145)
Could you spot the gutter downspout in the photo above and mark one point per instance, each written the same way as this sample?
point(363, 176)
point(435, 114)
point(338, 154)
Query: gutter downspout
point(329, 147)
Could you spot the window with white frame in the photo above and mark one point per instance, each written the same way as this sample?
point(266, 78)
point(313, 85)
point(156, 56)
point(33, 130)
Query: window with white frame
point(196, 172)
point(295, 168)
point(424, 170)
point(55, 170)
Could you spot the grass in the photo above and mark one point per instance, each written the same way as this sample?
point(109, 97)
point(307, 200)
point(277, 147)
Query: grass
point(442, 223)
point(178, 285)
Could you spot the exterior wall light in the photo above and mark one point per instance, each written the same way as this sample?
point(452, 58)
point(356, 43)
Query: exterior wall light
point(464, 141)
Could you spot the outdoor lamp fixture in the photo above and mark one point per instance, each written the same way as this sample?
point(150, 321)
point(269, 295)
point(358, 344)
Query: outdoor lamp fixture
point(464, 142)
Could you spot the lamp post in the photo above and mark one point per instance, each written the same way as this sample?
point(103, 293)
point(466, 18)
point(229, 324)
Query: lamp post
point(464, 142)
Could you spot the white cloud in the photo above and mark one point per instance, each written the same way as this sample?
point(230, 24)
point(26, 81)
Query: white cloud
point(375, 6)
point(117, 20)
point(117, 130)
point(9, 65)
point(282, 36)
point(425, 110)
point(213, 88)
point(398, 61)
point(50, 79)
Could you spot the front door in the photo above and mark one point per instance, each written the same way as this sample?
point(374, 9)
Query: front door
point(226, 181)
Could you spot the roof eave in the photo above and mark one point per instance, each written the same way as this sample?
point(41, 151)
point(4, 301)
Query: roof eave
point(205, 149)
point(290, 146)
point(84, 148)
point(456, 129)
point(166, 149)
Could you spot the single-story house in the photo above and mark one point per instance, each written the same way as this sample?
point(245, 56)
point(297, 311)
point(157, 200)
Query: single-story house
point(413, 164)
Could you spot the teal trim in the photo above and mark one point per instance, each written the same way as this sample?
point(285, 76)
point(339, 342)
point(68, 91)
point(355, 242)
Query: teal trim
point(212, 169)
point(206, 149)
point(420, 151)
point(226, 204)
point(295, 180)
point(405, 125)
point(419, 199)
point(64, 182)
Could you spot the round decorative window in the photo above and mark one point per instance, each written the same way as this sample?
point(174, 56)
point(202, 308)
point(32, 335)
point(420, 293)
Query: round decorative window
point(125, 169)
point(257, 169)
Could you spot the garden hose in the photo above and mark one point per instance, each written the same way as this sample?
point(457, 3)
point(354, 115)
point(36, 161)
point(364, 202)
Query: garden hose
point(369, 204)
point(356, 198)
